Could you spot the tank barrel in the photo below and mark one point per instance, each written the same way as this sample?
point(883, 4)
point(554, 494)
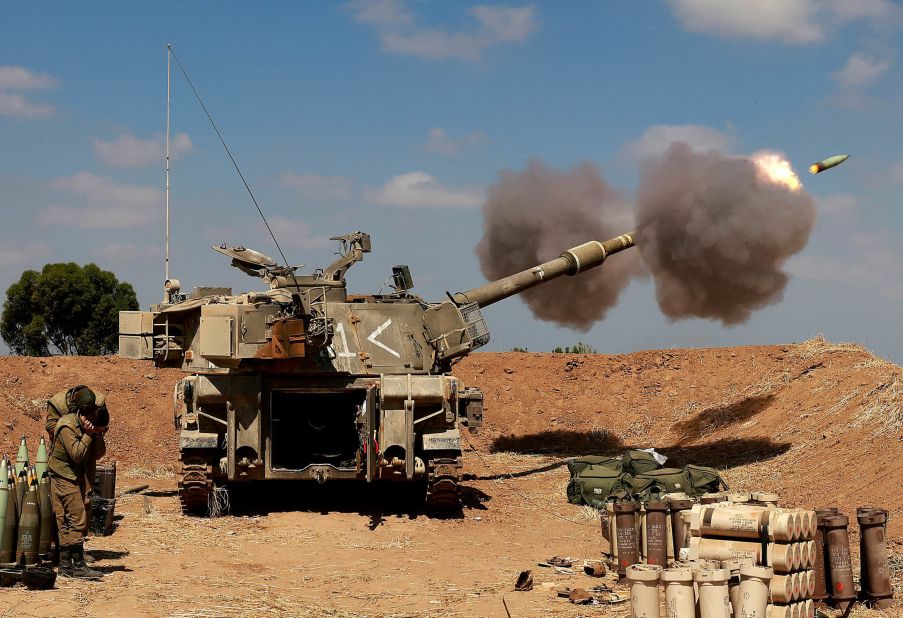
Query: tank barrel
point(575, 260)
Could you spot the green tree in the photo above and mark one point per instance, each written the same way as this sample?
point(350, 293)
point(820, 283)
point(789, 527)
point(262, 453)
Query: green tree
point(578, 348)
point(65, 309)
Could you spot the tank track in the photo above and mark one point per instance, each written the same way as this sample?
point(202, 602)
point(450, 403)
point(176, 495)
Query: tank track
point(443, 485)
point(195, 485)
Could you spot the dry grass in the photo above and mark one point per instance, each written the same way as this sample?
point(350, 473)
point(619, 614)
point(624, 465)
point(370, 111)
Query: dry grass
point(819, 346)
point(159, 473)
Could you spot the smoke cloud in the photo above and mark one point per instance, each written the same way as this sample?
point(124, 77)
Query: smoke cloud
point(715, 231)
point(534, 215)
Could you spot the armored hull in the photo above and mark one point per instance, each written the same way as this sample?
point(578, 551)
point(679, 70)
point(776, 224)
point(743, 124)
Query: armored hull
point(305, 381)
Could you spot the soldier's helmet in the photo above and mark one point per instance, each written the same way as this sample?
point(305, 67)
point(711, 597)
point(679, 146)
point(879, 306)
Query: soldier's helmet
point(82, 399)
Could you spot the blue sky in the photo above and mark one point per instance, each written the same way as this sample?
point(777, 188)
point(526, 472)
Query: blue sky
point(395, 117)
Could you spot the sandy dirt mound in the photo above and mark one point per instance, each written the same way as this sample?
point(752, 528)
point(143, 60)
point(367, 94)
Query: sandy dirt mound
point(818, 422)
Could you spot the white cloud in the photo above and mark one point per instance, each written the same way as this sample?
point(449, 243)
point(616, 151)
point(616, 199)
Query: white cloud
point(130, 151)
point(437, 140)
point(792, 21)
point(656, 139)
point(870, 258)
point(418, 189)
point(18, 106)
point(12, 103)
point(108, 204)
point(860, 70)
point(316, 186)
point(128, 252)
point(295, 233)
point(492, 25)
point(23, 255)
point(20, 78)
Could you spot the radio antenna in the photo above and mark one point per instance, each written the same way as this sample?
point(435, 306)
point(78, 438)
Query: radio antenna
point(168, 105)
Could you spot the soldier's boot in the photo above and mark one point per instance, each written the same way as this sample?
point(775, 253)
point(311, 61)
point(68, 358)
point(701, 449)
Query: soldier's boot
point(72, 563)
point(89, 559)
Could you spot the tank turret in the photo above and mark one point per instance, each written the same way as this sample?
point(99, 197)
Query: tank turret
point(303, 380)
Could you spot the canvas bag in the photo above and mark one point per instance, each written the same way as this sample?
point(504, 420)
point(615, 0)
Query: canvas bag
point(576, 465)
point(654, 483)
point(595, 486)
point(703, 480)
point(637, 462)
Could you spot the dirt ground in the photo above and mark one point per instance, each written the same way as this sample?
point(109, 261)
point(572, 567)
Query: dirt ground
point(817, 422)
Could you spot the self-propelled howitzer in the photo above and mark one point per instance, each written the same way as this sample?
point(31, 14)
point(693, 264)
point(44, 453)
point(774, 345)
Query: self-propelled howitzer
point(306, 381)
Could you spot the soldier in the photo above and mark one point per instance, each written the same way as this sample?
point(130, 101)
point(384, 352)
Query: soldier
point(78, 444)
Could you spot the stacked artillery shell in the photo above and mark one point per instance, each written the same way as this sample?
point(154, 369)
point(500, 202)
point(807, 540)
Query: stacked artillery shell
point(4, 498)
point(22, 457)
point(760, 535)
point(44, 504)
point(29, 532)
point(875, 574)
point(8, 532)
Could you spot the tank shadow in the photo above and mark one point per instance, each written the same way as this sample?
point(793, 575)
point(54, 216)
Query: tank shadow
point(720, 454)
point(378, 501)
point(560, 442)
point(717, 417)
point(514, 475)
point(106, 554)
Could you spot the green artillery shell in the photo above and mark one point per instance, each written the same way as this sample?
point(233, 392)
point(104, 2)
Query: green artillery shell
point(40, 460)
point(22, 456)
point(29, 529)
point(46, 510)
point(8, 534)
point(828, 163)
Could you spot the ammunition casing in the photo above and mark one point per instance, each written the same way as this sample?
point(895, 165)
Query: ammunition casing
point(821, 574)
point(754, 589)
point(714, 598)
point(626, 535)
point(733, 521)
point(680, 529)
point(837, 543)
point(702, 548)
point(657, 533)
point(680, 598)
point(876, 585)
point(781, 589)
point(643, 579)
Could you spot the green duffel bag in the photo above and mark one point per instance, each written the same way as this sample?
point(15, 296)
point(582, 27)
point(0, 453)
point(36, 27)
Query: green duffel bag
point(638, 462)
point(703, 480)
point(576, 465)
point(655, 483)
point(595, 485)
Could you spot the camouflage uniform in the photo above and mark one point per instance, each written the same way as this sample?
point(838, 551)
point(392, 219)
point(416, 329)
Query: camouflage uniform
point(73, 463)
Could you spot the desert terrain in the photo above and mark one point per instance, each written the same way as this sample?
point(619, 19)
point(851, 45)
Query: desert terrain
point(817, 422)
